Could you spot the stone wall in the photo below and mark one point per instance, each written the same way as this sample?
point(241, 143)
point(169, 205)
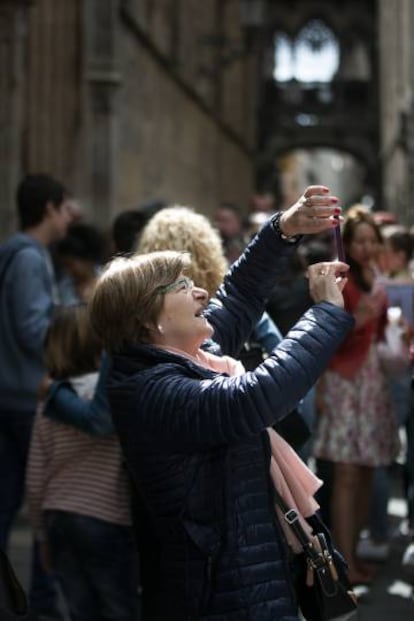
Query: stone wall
point(396, 22)
point(186, 123)
point(12, 44)
point(125, 100)
point(40, 95)
point(171, 144)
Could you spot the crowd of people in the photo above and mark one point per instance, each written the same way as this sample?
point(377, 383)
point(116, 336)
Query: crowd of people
point(160, 379)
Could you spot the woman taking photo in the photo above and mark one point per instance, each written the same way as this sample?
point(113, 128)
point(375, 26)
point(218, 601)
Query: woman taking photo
point(194, 427)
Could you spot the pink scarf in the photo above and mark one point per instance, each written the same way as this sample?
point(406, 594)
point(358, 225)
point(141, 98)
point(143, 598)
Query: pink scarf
point(291, 477)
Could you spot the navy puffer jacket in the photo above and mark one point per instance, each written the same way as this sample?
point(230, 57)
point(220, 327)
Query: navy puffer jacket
point(197, 450)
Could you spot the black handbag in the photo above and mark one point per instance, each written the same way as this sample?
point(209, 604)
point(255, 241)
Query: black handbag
point(13, 601)
point(322, 586)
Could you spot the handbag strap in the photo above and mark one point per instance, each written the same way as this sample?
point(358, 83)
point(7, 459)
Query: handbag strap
point(292, 518)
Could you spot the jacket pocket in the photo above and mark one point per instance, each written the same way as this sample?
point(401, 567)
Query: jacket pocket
point(207, 542)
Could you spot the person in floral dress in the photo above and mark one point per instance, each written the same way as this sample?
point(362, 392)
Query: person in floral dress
point(356, 429)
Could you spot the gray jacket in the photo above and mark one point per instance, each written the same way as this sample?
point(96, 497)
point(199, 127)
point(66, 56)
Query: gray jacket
point(26, 305)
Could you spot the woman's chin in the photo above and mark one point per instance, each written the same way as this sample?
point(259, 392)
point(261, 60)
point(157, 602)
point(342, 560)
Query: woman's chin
point(209, 330)
point(205, 333)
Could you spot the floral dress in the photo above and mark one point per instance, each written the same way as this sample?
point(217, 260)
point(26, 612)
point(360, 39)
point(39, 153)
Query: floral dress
point(356, 422)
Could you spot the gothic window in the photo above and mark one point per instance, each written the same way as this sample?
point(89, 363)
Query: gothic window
point(284, 65)
point(312, 56)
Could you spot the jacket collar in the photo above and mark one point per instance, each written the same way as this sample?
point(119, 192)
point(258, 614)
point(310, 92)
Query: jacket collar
point(134, 358)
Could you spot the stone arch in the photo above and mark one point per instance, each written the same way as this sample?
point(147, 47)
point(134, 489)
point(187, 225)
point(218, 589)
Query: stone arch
point(361, 150)
point(268, 175)
point(340, 114)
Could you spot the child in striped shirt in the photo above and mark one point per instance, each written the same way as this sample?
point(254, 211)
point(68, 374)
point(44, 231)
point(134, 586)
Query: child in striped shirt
point(77, 489)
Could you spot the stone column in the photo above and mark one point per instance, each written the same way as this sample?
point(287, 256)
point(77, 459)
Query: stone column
point(409, 106)
point(102, 80)
point(12, 41)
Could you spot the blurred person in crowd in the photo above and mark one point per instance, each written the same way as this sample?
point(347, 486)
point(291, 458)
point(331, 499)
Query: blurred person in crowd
point(289, 299)
point(81, 255)
point(128, 225)
point(125, 229)
point(28, 294)
point(411, 266)
point(408, 556)
point(384, 218)
point(195, 429)
point(356, 429)
point(75, 210)
point(397, 254)
point(254, 223)
point(398, 249)
point(262, 202)
point(228, 219)
point(77, 489)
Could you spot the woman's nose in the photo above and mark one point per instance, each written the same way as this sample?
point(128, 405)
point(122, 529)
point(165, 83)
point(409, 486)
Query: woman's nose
point(200, 294)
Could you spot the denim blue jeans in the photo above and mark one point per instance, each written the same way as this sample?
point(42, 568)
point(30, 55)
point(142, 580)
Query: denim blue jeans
point(96, 566)
point(15, 432)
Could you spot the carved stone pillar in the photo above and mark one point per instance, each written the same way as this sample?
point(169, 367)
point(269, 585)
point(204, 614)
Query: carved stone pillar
point(12, 40)
point(102, 80)
point(407, 217)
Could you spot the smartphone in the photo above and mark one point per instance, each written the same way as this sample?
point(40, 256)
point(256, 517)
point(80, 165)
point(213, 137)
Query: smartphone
point(339, 244)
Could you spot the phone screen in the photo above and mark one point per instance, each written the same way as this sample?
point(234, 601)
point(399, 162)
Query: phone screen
point(339, 245)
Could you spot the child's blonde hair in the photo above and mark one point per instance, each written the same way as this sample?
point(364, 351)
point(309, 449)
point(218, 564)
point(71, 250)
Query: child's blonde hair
point(72, 347)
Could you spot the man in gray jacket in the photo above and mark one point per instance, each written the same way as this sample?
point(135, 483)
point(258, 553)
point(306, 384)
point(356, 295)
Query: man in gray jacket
point(27, 298)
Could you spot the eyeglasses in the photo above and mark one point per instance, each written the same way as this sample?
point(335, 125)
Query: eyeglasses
point(183, 284)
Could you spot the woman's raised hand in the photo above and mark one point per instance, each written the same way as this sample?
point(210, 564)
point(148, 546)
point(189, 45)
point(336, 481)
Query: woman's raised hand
point(314, 212)
point(327, 281)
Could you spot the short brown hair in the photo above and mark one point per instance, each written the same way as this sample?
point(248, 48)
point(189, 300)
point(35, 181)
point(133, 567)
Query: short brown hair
point(71, 348)
point(127, 299)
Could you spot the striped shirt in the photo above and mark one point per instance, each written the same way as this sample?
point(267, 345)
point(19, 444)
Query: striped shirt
point(69, 470)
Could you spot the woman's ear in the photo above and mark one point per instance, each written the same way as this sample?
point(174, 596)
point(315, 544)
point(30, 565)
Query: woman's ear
point(154, 330)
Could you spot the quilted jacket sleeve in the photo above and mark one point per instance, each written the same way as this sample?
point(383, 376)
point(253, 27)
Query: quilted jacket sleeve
point(247, 286)
point(193, 414)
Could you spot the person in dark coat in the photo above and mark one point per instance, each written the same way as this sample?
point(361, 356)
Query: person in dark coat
point(195, 434)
